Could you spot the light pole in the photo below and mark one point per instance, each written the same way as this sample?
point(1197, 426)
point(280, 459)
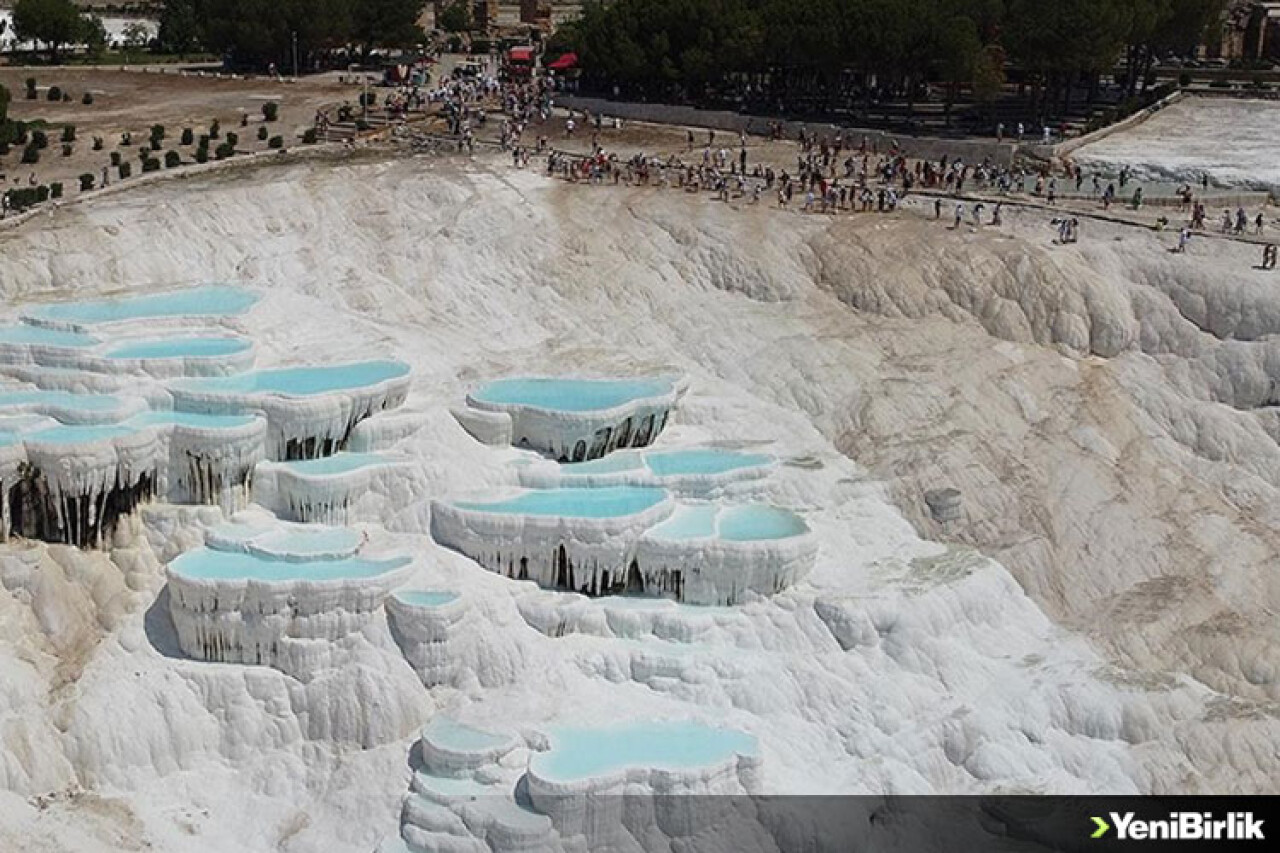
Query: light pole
point(295, 55)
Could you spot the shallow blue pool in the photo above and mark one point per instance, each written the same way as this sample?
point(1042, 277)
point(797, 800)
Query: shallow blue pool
point(611, 502)
point(426, 597)
point(77, 434)
point(759, 521)
point(448, 733)
point(208, 564)
point(60, 399)
point(688, 522)
point(570, 395)
point(24, 333)
point(303, 381)
point(212, 300)
point(583, 753)
point(180, 348)
point(303, 541)
point(338, 463)
point(668, 463)
point(749, 523)
point(614, 463)
point(191, 419)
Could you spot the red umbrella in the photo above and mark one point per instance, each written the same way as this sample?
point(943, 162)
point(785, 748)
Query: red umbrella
point(564, 63)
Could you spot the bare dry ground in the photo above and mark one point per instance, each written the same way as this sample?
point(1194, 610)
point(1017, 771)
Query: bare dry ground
point(132, 101)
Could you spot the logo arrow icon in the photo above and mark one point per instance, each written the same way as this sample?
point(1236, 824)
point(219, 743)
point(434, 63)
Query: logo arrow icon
point(1103, 826)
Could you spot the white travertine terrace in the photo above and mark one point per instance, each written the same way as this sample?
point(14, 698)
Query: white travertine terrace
point(279, 603)
point(310, 411)
point(573, 420)
point(72, 483)
point(339, 489)
point(584, 547)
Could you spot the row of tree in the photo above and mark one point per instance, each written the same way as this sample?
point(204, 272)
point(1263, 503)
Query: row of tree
point(248, 32)
point(257, 33)
point(661, 48)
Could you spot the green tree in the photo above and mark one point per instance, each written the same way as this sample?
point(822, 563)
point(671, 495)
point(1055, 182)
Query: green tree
point(456, 17)
point(53, 23)
point(180, 29)
point(386, 23)
point(93, 33)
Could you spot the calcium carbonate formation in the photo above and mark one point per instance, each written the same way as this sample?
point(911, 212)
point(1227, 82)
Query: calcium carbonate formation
point(573, 420)
point(310, 411)
point(612, 525)
point(581, 788)
point(178, 418)
point(279, 596)
point(339, 489)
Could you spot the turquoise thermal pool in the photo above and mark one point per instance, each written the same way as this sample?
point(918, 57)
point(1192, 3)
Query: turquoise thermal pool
point(585, 753)
point(207, 564)
point(570, 395)
point(77, 434)
point(613, 502)
point(25, 333)
point(301, 381)
point(339, 463)
point(190, 419)
point(60, 400)
point(448, 734)
point(180, 347)
point(425, 597)
point(214, 300)
point(746, 523)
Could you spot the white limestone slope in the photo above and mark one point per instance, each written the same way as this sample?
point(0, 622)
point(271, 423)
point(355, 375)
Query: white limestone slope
point(1233, 141)
point(1104, 410)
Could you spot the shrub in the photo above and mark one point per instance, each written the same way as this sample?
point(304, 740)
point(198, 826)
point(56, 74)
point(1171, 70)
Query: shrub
point(31, 154)
point(4, 148)
point(97, 143)
point(233, 139)
point(1184, 80)
point(224, 151)
point(126, 169)
point(309, 136)
point(40, 139)
point(86, 181)
point(202, 155)
point(115, 158)
point(171, 159)
point(155, 144)
point(270, 111)
point(368, 99)
point(55, 93)
point(23, 133)
point(187, 136)
point(42, 193)
point(67, 148)
point(262, 132)
point(144, 152)
point(244, 119)
point(66, 97)
point(126, 138)
point(276, 142)
point(215, 130)
point(69, 133)
point(55, 189)
point(87, 100)
point(204, 140)
point(31, 88)
point(157, 131)
point(362, 125)
point(151, 164)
